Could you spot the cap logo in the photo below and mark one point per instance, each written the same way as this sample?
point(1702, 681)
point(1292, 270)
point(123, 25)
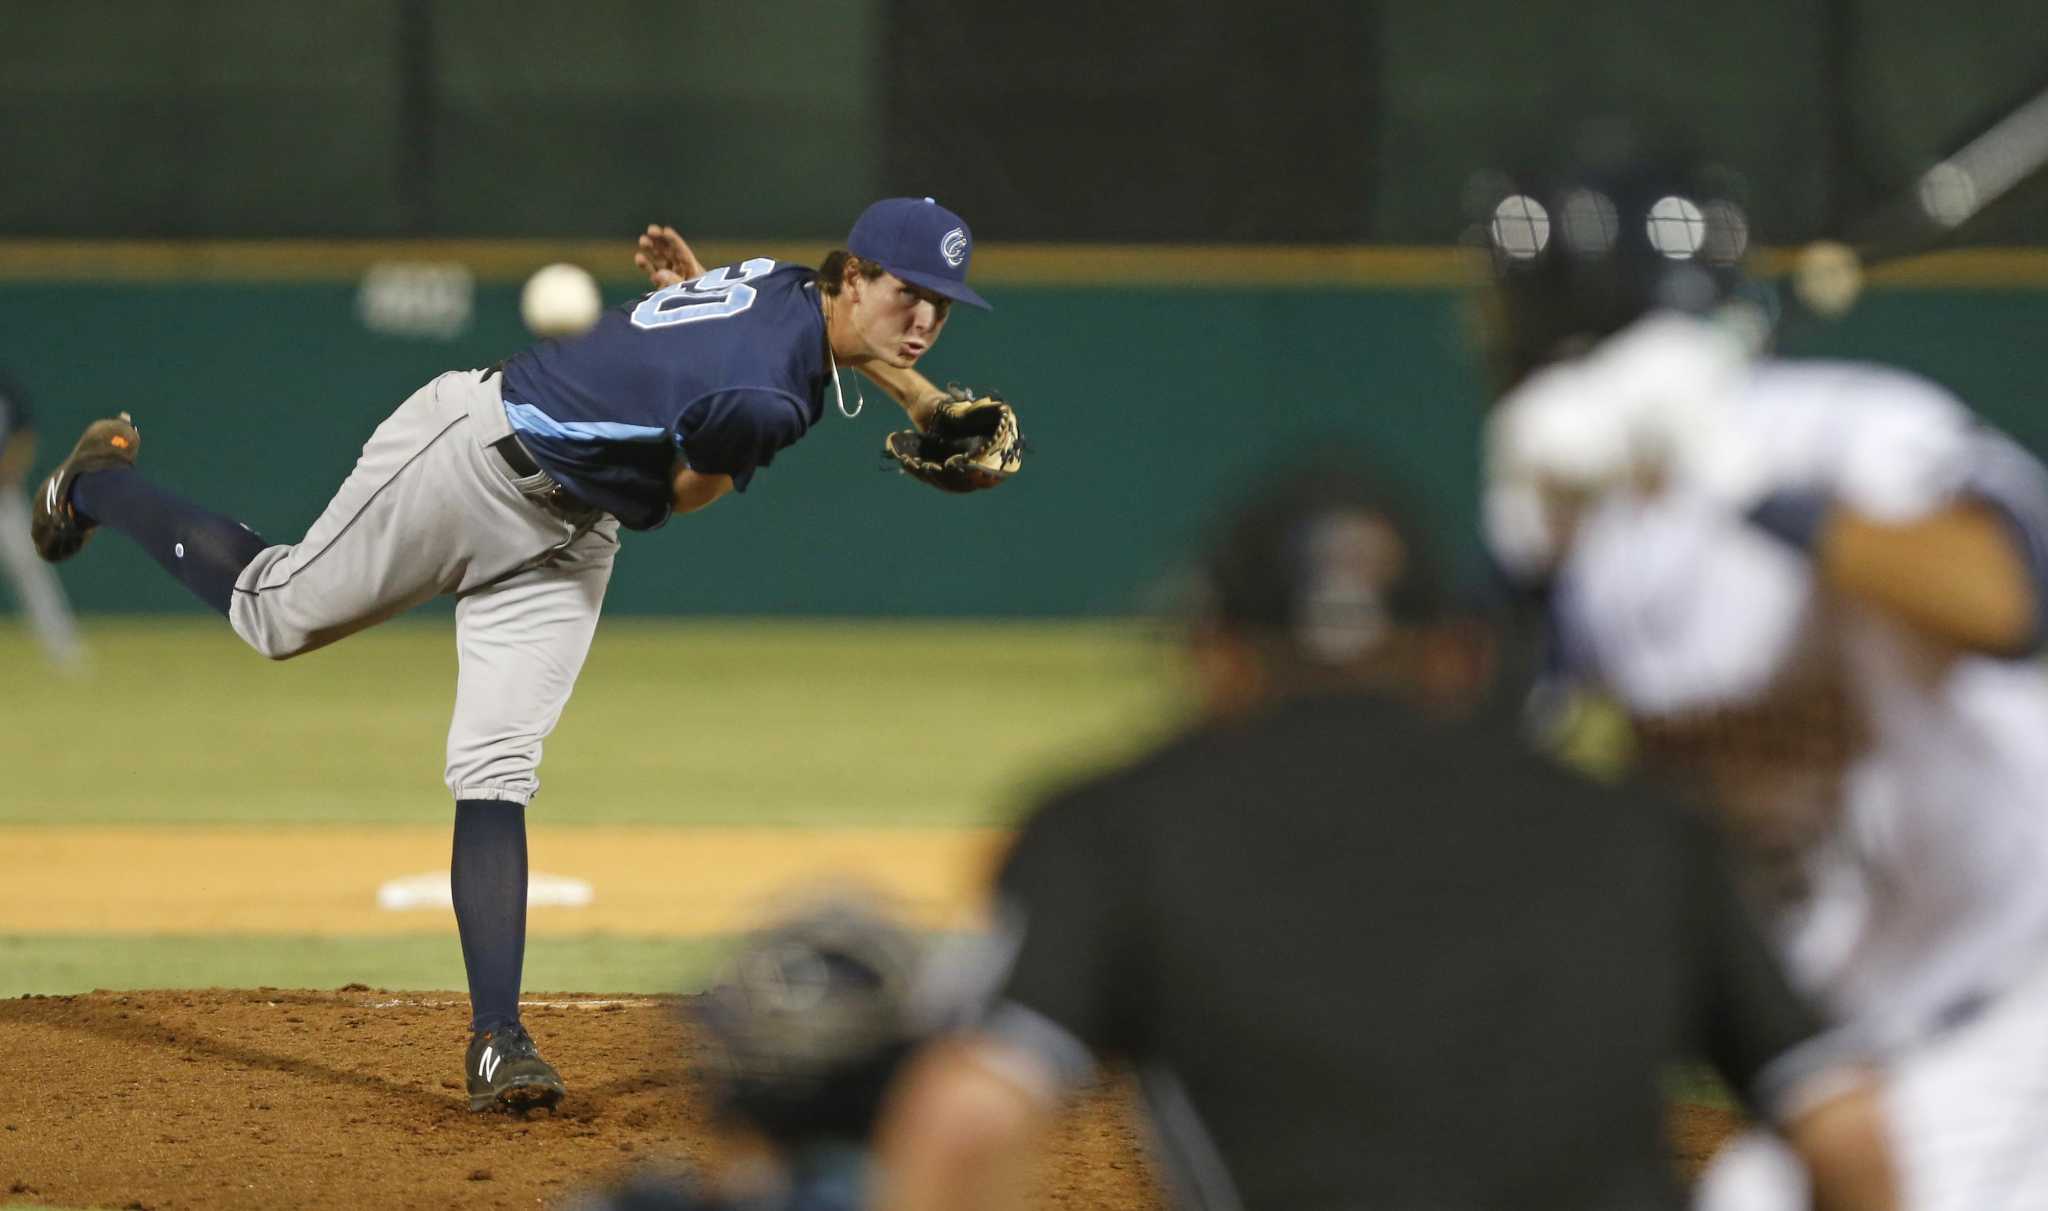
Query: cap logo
point(953, 246)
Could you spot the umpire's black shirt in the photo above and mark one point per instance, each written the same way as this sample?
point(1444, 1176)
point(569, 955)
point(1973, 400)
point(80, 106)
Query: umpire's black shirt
point(1361, 958)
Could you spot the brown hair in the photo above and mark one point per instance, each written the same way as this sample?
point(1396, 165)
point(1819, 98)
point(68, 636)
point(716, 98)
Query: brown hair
point(832, 274)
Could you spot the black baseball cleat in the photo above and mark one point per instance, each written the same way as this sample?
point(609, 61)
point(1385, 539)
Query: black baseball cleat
point(507, 1073)
point(56, 528)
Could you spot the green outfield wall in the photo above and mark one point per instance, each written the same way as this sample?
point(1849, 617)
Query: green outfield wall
point(1145, 404)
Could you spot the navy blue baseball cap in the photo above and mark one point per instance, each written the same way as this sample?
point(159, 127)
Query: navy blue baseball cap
point(919, 241)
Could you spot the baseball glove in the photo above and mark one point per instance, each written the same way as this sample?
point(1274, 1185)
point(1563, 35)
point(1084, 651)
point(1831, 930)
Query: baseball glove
point(969, 444)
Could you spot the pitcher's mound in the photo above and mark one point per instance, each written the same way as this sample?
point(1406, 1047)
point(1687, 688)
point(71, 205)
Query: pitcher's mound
point(272, 1098)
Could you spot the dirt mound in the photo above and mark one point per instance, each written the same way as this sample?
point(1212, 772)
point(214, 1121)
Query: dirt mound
point(268, 1098)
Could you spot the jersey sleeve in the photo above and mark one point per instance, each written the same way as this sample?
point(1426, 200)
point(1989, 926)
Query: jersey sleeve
point(1906, 450)
point(1064, 918)
point(1914, 449)
point(1765, 1040)
point(739, 431)
point(1888, 444)
point(1896, 448)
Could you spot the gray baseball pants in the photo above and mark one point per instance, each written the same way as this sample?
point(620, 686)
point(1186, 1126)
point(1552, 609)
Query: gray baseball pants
point(431, 508)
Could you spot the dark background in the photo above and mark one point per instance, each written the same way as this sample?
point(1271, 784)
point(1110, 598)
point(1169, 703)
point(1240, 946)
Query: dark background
point(1058, 120)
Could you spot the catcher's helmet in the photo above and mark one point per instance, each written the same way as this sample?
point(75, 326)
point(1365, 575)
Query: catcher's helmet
point(1580, 250)
point(810, 1022)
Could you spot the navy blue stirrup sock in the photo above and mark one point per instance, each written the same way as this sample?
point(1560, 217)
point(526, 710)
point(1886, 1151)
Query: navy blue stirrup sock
point(487, 878)
point(205, 551)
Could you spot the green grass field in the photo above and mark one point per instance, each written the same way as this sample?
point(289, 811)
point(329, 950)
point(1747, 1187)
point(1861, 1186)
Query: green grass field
point(673, 723)
point(865, 724)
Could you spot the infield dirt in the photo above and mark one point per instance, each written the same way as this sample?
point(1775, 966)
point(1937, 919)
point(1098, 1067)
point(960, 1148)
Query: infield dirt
point(269, 1098)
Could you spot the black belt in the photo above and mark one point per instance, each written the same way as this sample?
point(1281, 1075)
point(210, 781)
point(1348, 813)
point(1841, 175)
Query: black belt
point(522, 466)
point(515, 456)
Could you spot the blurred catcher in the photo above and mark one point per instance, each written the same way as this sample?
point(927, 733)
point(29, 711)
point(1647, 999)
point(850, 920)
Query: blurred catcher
point(806, 1030)
point(507, 488)
point(1817, 588)
point(1361, 946)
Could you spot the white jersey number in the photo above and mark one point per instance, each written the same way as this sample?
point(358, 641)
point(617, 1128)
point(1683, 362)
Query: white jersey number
point(716, 295)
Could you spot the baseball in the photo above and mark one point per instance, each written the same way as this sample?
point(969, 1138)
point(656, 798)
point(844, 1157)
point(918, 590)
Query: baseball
point(560, 300)
point(1828, 278)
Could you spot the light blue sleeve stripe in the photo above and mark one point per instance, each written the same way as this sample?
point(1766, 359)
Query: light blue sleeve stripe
point(528, 419)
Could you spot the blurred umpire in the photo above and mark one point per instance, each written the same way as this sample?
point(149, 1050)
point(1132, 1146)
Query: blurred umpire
point(1361, 948)
point(35, 585)
point(807, 1027)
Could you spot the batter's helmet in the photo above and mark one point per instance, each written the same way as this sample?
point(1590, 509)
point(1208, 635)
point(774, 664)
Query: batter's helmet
point(1619, 228)
point(810, 1022)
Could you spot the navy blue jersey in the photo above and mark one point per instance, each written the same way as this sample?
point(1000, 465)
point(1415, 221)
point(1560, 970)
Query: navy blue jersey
point(722, 372)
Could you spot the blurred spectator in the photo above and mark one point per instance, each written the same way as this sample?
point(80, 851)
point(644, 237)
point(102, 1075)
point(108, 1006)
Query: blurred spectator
point(1361, 948)
point(808, 1026)
point(35, 585)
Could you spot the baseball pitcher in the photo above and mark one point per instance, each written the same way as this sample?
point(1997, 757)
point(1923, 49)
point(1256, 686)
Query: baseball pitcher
point(507, 488)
